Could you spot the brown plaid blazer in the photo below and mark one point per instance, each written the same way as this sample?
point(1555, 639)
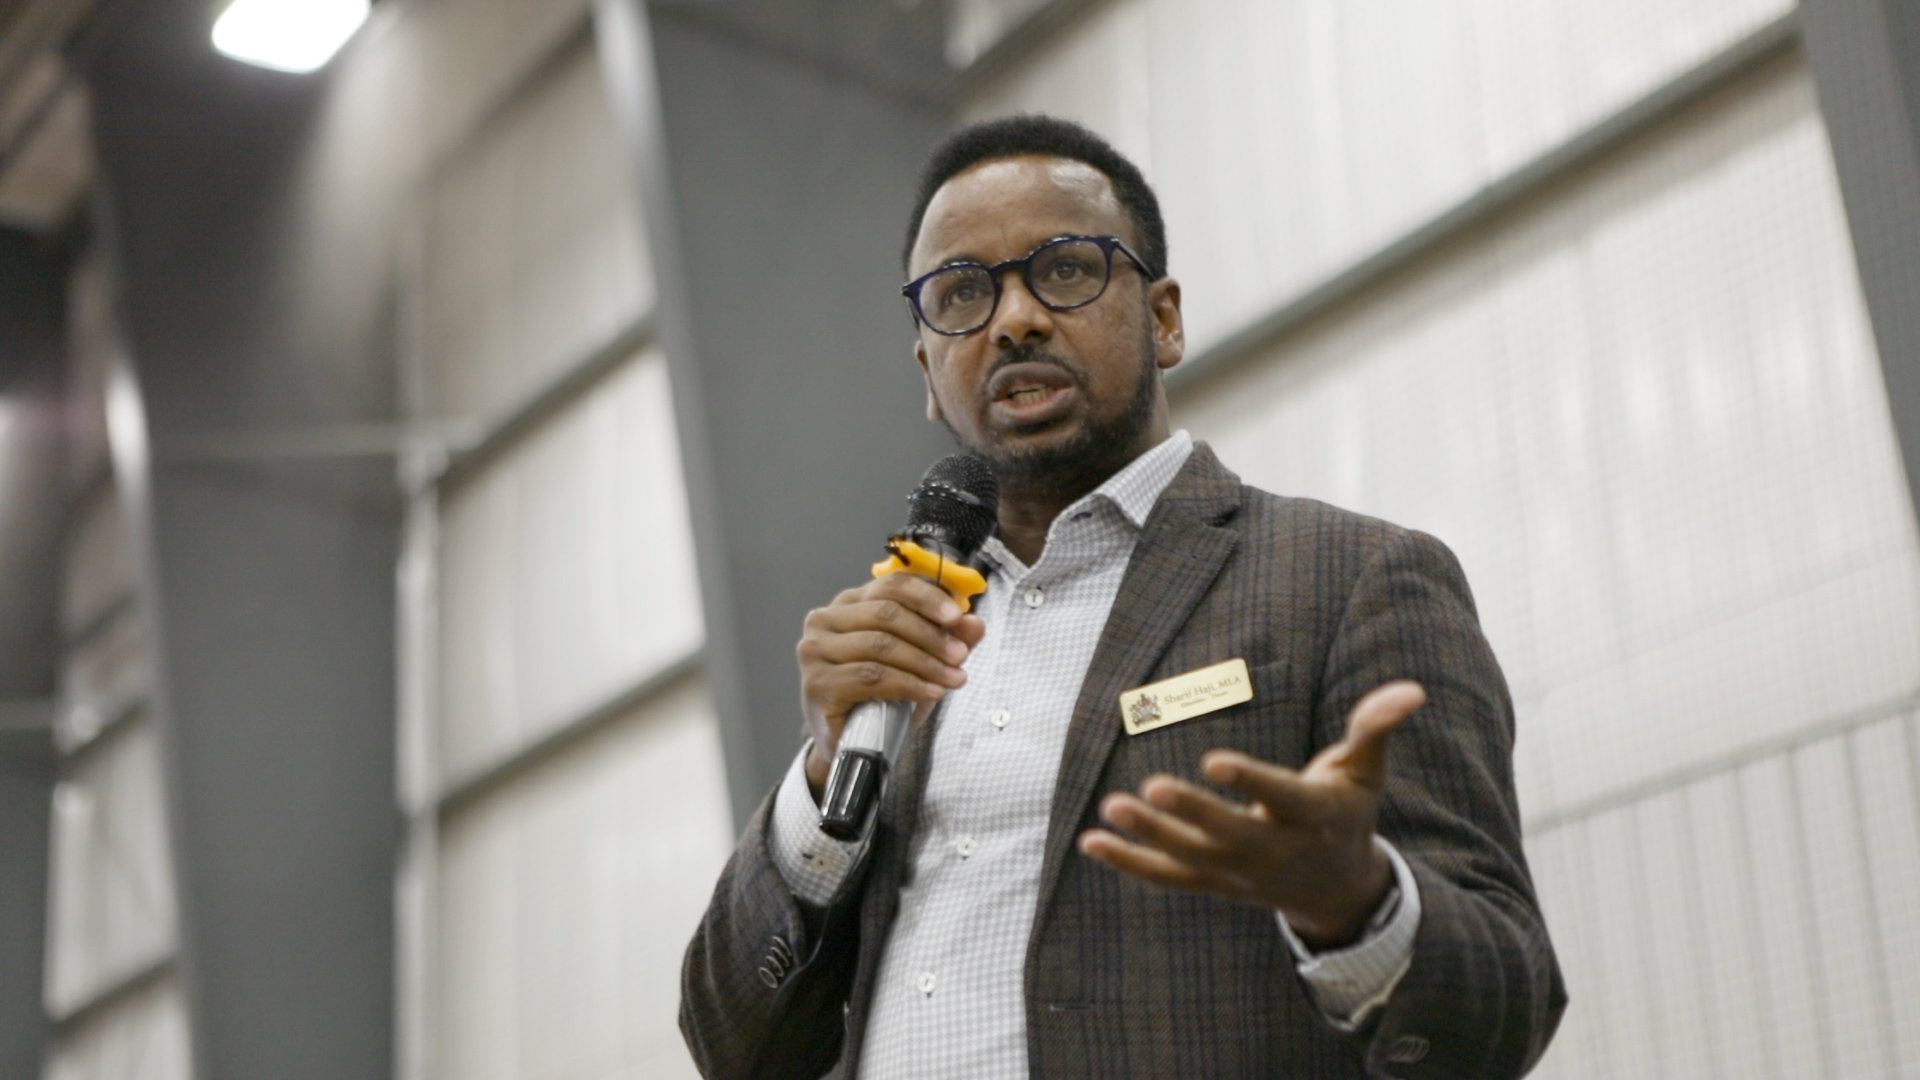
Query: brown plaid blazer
point(1125, 979)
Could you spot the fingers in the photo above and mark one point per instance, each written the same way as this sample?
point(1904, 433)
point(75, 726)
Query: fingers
point(1158, 867)
point(914, 650)
point(1180, 836)
point(1188, 823)
point(912, 591)
point(897, 638)
point(969, 629)
point(901, 605)
point(1285, 793)
point(1157, 828)
point(1199, 813)
point(1362, 753)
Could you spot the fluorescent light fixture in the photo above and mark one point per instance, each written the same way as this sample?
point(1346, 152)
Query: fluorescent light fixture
point(287, 35)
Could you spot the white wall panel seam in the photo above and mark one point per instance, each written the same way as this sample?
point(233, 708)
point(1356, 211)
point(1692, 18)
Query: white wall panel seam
point(1696, 913)
point(1640, 893)
point(1809, 928)
point(490, 438)
point(464, 789)
point(1763, 985)
point(1655, 786)
point(1032, 35)
point(1571, 155)
point(111, 995)
point(417, 757)
point(489, 116)
point(1882, 995)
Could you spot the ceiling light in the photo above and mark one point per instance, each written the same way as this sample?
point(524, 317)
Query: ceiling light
point(287, 35)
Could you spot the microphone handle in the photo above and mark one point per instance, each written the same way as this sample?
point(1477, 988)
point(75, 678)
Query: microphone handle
point(868, 744)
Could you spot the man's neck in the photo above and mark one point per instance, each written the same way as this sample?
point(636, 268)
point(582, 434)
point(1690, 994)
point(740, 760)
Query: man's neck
point(1026, 515)
point(1028, 504)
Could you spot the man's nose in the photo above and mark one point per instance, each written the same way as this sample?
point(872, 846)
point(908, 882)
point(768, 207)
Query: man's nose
point(1020, 317)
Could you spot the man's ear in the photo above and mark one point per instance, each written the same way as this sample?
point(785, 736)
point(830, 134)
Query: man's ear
point(933, 404)
point(1169, 331)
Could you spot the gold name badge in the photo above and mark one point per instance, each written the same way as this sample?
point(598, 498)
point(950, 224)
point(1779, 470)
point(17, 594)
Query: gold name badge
point(1184, 697)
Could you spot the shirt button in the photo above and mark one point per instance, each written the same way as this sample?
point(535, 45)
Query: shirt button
point(1035, 597)
point(925, 982)
point(966, 847)
point(999, 717)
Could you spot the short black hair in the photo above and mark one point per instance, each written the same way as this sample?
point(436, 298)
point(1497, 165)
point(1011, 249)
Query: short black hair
point(1049, 136)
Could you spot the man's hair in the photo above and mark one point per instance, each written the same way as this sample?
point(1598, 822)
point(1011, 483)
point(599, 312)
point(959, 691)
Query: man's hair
point(1049, 136)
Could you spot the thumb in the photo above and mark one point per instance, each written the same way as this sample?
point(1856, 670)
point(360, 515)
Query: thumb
point(1362, 754)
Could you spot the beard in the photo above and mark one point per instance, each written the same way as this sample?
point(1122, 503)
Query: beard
point(1100, 448)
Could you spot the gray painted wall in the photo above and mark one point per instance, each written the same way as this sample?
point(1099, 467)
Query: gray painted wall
point(31, 515)
point(26, 800)
point(1866, 63)
point(777, 146)
point(32, 465)
point(275, 578)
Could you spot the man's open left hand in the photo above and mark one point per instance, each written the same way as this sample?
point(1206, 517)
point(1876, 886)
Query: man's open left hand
point(1302, 843)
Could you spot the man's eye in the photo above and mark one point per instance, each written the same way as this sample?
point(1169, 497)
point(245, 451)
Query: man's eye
point(1066, 270)
point(960, 294)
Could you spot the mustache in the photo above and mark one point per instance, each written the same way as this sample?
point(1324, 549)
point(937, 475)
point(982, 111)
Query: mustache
point(1032, 354)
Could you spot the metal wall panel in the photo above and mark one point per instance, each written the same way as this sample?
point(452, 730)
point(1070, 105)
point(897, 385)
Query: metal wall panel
point(568, 571)
point(143, 1037)
point(551, 578)
point(974, 26)
point(1648, 419)
point(92, 336)
point(112, 907)
point(1756, 922)
point(533, 245)
point(1644, 407)
point(98, 572)
point(567, 896)
point(102, 678)
point(1288, 138)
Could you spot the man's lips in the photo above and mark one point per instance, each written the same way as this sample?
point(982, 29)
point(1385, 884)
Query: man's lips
point(1027, 382)
point(1030, 392)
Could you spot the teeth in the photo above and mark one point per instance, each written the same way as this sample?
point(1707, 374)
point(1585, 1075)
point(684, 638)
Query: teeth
point(1028, 395)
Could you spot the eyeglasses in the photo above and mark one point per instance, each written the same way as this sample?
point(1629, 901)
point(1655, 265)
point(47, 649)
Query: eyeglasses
point(1064, 273)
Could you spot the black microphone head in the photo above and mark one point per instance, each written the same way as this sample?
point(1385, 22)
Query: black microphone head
point(956, 505)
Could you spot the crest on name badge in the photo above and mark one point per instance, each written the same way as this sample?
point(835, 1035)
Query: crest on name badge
point(1145, 709)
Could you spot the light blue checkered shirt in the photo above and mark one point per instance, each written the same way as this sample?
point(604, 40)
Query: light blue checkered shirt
point(950, 1000)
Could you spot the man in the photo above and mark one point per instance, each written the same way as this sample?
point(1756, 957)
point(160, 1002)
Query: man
point(1055, 889)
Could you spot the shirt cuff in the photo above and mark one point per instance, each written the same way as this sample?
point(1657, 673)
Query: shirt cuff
point(1349, 984)
point(813, 864)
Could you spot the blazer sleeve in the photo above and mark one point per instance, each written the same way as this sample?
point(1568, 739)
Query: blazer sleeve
point(766, 978)
point(1483, 994)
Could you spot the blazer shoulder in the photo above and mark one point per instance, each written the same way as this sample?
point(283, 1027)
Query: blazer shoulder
point(1272, 526)
point(1266, 513)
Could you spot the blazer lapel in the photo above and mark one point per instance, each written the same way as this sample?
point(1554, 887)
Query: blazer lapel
point(1181, 549)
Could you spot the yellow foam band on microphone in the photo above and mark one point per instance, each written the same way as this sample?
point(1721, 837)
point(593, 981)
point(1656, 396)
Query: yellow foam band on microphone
point(963, 582)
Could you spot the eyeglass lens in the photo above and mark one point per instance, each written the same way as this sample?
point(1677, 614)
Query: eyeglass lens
point(1063, 274)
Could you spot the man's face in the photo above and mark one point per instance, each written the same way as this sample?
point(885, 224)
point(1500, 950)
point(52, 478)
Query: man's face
point(1051, 398)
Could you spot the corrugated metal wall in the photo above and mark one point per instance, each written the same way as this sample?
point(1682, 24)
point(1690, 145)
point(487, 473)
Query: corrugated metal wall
point(1642, 404)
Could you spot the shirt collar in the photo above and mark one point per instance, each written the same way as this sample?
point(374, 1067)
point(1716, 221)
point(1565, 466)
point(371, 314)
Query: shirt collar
point(1134, 489)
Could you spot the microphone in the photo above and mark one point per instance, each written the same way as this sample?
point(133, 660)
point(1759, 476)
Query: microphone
point(949, 516)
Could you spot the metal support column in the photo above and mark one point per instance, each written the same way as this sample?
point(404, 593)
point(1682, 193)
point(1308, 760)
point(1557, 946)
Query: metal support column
point(776, 147)
point(1865, 56)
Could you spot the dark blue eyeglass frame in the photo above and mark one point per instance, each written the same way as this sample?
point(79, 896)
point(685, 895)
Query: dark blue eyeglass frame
point(1107, 244)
